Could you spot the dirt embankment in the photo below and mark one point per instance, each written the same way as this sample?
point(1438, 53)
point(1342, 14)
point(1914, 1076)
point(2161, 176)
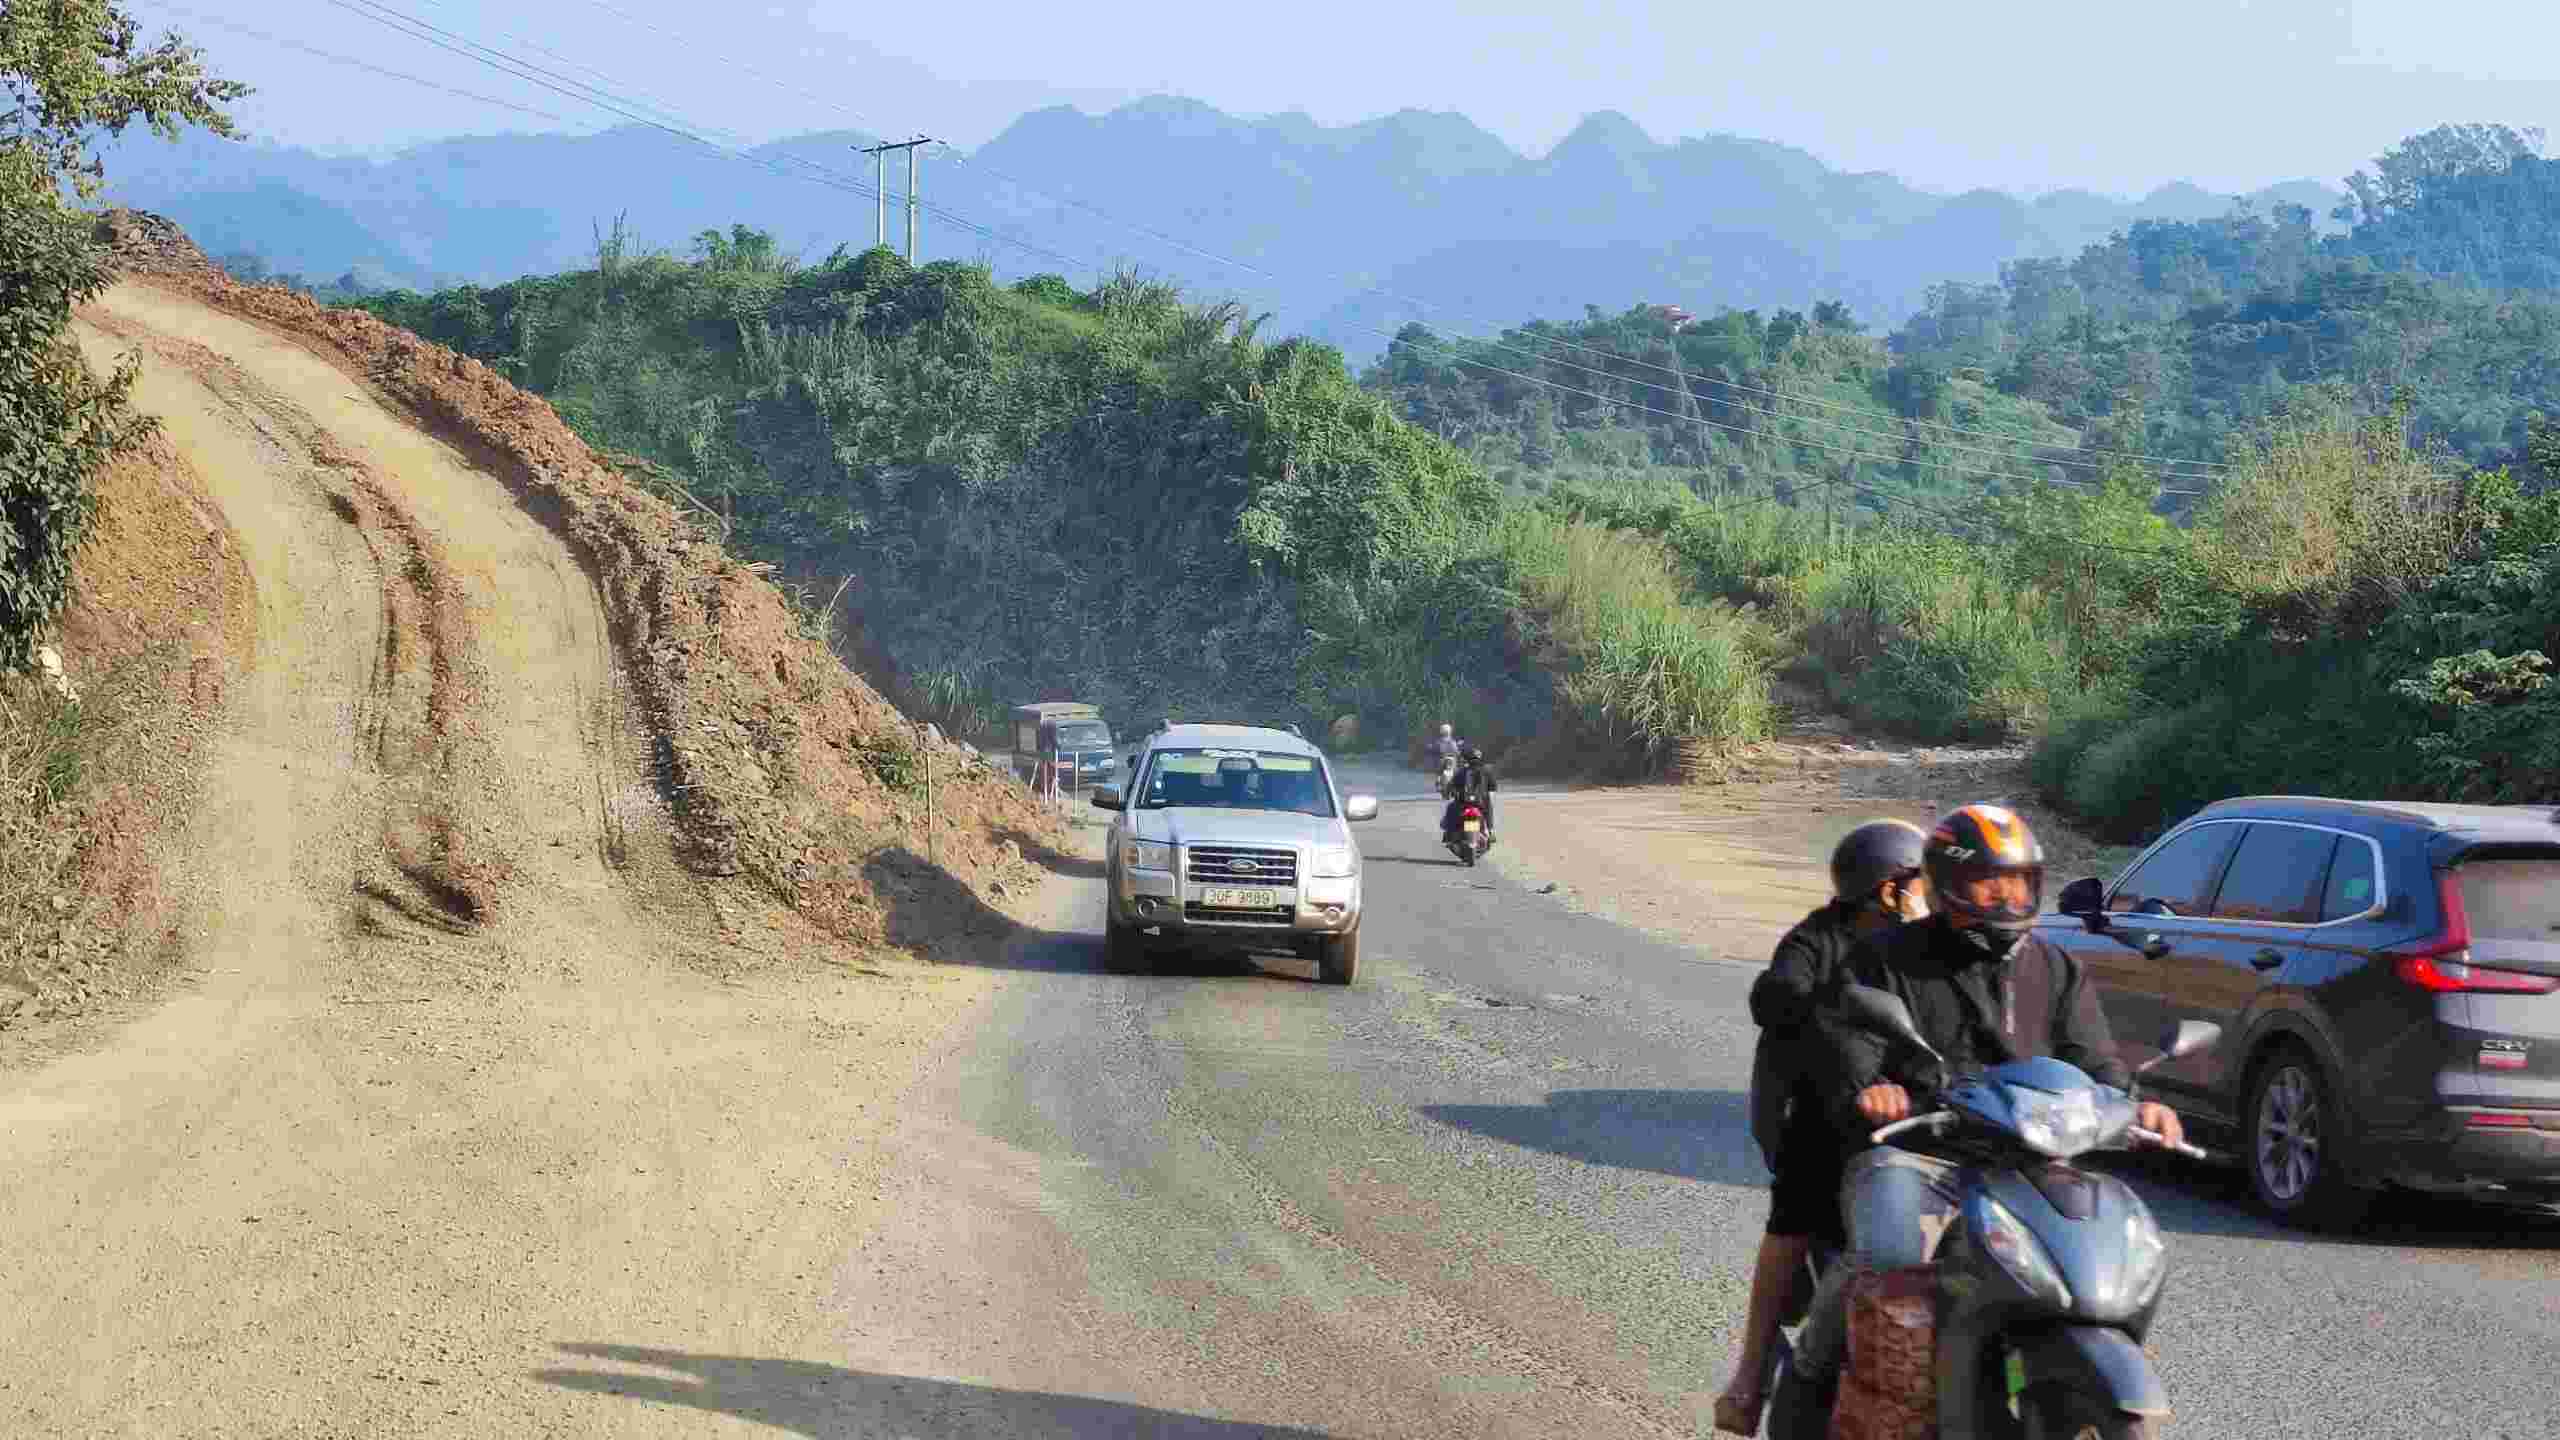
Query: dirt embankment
point(773, 763)
point(159, 618)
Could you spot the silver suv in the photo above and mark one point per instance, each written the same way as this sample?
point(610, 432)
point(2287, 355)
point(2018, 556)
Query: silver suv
point(1234, 835)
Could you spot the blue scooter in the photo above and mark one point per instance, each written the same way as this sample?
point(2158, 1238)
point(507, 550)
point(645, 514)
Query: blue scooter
point(2048, 1280)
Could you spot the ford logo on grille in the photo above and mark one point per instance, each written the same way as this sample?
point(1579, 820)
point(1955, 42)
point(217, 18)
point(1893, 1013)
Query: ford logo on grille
point(1242, 867)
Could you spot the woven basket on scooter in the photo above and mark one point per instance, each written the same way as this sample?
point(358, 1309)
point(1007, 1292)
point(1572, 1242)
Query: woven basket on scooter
point(1890, 1389)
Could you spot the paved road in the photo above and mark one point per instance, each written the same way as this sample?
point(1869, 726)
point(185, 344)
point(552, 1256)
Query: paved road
point(1500, 1187)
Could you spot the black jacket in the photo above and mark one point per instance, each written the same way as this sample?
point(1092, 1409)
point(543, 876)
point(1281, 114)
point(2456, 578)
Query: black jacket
point(1787, 1112)
point(1472, 782)
point(1978, 1012)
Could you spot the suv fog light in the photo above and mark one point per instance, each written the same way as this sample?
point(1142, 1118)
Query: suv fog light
point(1333, 914)
point(1146, 907)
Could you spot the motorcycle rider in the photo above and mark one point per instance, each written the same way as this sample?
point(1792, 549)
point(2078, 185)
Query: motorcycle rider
point(1444, 754)
point(1472, 785)
point(1877, 882)
point(1983, 991)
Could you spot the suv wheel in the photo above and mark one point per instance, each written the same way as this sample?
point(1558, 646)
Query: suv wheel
point(1338, 958)
point(2294, 1160)
point(1124, 950)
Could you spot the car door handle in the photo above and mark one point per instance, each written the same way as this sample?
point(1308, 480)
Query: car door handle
point(2266, 959)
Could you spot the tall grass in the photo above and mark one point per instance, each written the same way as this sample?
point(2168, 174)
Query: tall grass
point(1645, 670)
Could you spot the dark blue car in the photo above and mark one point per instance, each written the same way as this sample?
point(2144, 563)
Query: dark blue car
point(2387, 979)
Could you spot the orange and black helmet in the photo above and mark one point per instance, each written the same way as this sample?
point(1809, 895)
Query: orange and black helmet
point(1972, 841)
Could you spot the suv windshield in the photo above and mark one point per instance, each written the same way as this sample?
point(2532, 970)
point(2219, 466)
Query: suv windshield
point(1237, 780)
point(1084, 735)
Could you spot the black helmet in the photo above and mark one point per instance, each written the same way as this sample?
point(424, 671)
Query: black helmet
point(1977, 840)
point(1874, 853)
point(1469, 753)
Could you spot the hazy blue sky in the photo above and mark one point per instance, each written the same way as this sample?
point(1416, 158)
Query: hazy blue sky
point(2018, 94)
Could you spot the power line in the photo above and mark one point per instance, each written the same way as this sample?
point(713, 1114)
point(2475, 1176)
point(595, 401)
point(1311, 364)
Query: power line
point(314, 50)
point(2201, 469)
point(576, 90)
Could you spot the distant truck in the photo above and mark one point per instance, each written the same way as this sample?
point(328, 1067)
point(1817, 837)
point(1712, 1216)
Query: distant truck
point(1068, 736)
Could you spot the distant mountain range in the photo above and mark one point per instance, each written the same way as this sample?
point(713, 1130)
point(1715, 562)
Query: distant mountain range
point(1344, 231)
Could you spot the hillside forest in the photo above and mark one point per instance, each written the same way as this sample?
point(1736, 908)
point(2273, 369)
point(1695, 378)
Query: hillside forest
point(2211, 506)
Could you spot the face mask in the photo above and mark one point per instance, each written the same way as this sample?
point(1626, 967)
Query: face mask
point(1914, 906)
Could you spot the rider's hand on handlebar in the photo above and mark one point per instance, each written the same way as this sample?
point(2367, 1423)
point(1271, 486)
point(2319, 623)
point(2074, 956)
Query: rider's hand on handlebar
point(1882, 1104)
point(2162, 1121)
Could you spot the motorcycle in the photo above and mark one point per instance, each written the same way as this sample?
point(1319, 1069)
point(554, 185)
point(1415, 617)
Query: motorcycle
point(1468, 841)
point(2049, 1276)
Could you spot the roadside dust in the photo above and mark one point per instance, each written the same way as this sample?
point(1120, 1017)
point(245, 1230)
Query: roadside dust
point(1727, 869)
point(535, 918)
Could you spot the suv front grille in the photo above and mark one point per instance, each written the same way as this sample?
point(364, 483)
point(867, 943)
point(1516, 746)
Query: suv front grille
point(1240, 865)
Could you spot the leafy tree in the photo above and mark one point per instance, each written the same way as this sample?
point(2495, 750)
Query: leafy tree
point(2403, 175)
point(68, 69)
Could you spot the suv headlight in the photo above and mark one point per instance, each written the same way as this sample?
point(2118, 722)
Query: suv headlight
point(2006, 1238)
point(1146, 855)
point(1333, 862)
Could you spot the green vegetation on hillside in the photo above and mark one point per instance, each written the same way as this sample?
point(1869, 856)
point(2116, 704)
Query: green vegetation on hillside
point(1036, 491)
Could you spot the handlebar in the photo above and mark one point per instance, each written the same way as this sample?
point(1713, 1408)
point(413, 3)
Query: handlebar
point(1941, 1119)
point(2153, 1137)
point(1935, 1120)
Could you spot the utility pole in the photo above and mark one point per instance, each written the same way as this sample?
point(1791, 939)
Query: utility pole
point(880, 153)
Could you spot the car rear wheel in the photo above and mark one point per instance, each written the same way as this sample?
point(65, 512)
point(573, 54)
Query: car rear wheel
point(2293, 1127)
point(1338, 958)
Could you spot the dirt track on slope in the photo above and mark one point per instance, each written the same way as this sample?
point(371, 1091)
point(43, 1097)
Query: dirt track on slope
point(456, 1078)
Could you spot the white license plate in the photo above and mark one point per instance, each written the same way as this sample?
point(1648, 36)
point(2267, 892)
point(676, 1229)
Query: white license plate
point(1226, 899)
point(1472, 826)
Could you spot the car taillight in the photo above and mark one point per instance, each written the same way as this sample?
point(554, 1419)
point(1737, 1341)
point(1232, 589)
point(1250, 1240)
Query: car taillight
point(2443, 964)
point(2498, 1120)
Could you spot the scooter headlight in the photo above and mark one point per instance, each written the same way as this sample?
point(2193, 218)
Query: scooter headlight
point(2005, 1238)
point(2146, 1258)
point(2060, 1124)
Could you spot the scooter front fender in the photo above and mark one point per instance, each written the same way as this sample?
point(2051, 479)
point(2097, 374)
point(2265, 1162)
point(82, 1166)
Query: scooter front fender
point(2096, 1360)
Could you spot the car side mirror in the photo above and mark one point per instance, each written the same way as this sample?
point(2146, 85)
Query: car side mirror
point(1107, 797)
point(2085, 899)
point(1882, 1012)
point(1359, 807)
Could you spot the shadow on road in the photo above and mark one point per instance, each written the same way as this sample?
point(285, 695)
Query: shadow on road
point(808, 1398)
point(1048, 857)
point(2191, 1199)
point(927, 910)
point(1693, 1134)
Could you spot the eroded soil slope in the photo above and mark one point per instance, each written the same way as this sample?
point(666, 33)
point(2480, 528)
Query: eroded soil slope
point(535, 911)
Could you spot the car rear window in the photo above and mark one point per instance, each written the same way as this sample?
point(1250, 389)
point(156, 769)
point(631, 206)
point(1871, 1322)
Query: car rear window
point(2277, 876)
point(2512, 899)
point(2352, 882)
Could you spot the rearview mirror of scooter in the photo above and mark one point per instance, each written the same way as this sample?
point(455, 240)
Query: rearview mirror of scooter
point(2188, 1037)
point(1882, 1012)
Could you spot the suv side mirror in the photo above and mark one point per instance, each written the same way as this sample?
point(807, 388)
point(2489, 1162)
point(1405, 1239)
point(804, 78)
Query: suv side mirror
point(1359, 807)
point(1107, 797)
point(2086, 899)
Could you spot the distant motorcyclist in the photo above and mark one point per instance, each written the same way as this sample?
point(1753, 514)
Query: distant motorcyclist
point(1877, 882)
point(1472, 784)
point(1983, 991)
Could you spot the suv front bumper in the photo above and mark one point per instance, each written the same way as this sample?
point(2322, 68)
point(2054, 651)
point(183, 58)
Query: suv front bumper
point(1149, 899)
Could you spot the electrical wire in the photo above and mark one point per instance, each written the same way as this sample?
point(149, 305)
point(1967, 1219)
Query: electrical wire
point(2185, 468)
